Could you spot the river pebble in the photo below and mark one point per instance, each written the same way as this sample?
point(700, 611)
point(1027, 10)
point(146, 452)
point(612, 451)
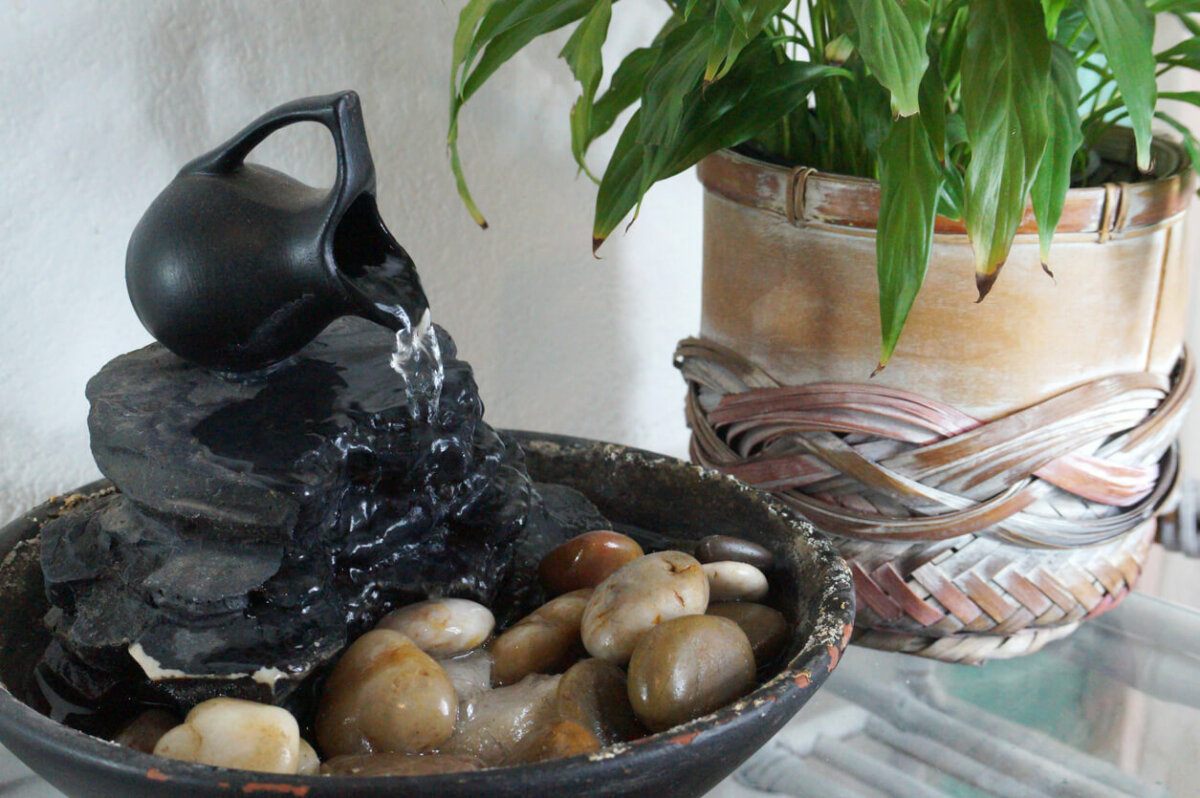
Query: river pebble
point(442, 627)
point(642, 594)
point(565, 738)
point(399, 764)
point(385, 694)
point(497, 726)
point(586, 560)
point(232, 733)
point(147, 729)
point(470, 673)
point(718, 548)
point(545, 641)
point(766, 628)
point(594, 694)
point(735, 581)
point(688, 667)
point(310, 763)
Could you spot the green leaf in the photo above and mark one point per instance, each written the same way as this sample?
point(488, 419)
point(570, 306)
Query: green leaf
point(890, 35)
point(872, 107)
point(582, 54)
point(956, 132)
point(468, 21)
point(1049, 190)
point(933, 108)
point(1125, 29)
point(1052, 9)
point(1006, 63)
point(676, 74)
point(621, 186)
point(1192, 97)
point(910, 179)
point(623, 90)
point(951, 197)
point(489, 33)
point(1174, 6)
point(1187, 52)
point(1189, 140)
point(734, 24)
point(757, 92)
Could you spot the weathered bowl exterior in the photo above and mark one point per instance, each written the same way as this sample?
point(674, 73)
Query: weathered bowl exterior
point(630, 486)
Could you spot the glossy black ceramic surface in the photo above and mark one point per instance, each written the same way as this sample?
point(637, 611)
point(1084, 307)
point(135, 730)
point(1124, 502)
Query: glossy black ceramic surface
point(236, 266)
point(811, 584)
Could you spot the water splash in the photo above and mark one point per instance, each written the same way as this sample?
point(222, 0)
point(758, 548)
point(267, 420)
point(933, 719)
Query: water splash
point(418, 361)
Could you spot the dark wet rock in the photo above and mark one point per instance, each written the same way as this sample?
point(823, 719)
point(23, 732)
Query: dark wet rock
point(265, 522)
point(559, 514)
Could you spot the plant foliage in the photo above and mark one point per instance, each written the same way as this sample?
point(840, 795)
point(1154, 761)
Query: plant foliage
point(970, 109)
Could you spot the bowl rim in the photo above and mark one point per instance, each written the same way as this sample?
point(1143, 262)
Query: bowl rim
point(795, 681)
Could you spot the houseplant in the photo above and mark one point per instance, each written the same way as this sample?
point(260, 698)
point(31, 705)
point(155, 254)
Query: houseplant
point(892, 143)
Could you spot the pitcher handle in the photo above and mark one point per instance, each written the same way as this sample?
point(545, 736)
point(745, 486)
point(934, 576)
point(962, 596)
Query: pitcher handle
point(341, 113)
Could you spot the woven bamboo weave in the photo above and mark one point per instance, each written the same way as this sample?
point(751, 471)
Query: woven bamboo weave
point(968, 539)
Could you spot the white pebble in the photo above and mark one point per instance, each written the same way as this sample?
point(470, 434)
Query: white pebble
point(442, 627)
point(735, 581)
point(231, 733)
point(310, 763)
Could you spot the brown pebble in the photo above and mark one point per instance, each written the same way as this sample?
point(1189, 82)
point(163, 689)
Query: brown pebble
point(715, 548)
point(545, 641)
point(688, 667)
point(498, 726)
point(385, 694)
point(593, 693)
point(766, 628)
point(586, 560)
point(388, 764)
point(144, 732)
point(565, 738)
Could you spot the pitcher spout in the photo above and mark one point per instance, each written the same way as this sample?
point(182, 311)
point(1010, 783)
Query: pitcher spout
point(378, 276)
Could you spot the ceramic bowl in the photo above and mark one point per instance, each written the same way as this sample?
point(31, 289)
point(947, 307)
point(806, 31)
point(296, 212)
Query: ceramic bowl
point(812, 585)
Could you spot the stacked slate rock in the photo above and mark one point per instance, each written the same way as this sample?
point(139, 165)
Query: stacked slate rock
point(262, 523)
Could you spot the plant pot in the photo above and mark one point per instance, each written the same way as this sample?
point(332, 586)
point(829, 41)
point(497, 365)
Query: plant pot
point(999, 480)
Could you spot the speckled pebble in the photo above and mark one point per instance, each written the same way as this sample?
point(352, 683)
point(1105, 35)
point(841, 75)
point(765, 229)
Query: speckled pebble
point(642, 594)
point(735, 581)
point(688, 667)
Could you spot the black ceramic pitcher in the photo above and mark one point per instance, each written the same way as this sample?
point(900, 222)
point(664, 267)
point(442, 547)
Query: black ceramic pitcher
point(236, 266)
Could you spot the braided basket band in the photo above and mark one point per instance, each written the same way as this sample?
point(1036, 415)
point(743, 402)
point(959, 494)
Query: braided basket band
point(968, 650)
point(1082, 468)
point(968, 540)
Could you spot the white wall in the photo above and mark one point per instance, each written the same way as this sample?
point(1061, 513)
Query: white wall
point(103, 102)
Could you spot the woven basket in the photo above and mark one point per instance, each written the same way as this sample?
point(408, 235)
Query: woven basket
point(1000, 480)
point(1057, 502)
